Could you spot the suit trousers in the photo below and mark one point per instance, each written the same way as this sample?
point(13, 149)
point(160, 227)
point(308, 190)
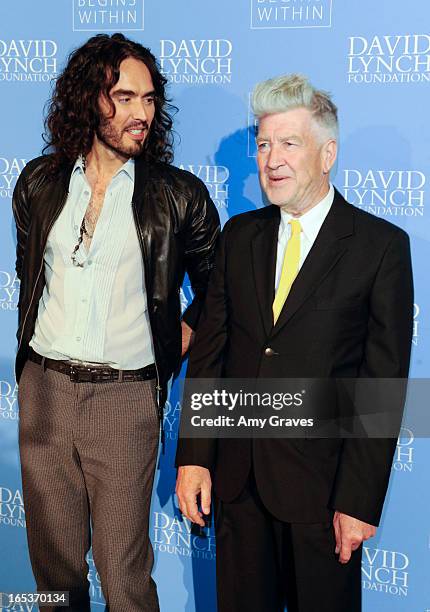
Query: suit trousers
point(264, 564)
point(88, 455)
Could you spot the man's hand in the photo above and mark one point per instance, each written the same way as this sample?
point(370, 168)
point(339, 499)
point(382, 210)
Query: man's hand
point(192, 481)
point(350, 532)
point(187, 337)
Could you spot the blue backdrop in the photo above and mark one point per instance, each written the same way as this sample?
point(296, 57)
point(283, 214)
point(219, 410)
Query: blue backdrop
point(375, 59)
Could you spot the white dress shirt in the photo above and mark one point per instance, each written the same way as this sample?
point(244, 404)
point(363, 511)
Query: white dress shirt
point(310, 222)
point(99, 312)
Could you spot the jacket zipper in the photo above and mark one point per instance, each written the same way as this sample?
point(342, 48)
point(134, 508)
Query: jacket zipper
point(41, 265)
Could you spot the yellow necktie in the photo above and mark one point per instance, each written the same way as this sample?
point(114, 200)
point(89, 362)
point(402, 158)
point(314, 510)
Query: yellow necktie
point(290, 267)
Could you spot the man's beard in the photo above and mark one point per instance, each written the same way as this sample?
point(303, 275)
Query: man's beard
point(113, 139)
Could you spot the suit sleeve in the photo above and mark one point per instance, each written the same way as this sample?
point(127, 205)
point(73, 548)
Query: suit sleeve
point(365, 464)
point(201, 240)
point(207, 354)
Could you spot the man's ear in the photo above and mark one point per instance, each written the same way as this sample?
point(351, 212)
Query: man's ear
point(329, 154)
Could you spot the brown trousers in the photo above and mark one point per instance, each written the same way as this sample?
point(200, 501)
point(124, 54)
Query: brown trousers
point(88, 452)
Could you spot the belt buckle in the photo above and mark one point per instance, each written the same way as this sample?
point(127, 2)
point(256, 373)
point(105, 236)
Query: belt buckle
point(80, 375)
point(73, 374)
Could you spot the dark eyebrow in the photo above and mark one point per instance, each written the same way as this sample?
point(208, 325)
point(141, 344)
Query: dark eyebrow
point(123, 92)
point(129, 92)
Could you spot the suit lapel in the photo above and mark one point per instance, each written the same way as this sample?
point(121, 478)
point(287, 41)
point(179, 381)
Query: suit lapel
point(327, 250)
point(264, 248)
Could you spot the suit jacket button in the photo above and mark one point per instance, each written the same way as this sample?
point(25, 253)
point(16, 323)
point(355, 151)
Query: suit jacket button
point(269, 352)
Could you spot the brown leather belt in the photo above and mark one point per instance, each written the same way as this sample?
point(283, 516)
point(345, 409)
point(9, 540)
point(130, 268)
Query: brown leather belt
point(82, 372)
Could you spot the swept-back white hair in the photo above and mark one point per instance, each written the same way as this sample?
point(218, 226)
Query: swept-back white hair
point(291, 91)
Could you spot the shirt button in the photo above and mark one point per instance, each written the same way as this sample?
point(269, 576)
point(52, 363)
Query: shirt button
point(78, 338)
point(89, 262)
point(75, 227)
point(84, 300)
point(86, 192)
point(269, 352)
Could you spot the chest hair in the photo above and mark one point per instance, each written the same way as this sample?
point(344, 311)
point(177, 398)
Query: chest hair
point(93, 211)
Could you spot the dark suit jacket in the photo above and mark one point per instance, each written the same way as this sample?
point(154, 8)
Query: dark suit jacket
point(348, 314)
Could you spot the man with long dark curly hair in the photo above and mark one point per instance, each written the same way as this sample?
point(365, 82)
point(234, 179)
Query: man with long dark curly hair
point(106, 230)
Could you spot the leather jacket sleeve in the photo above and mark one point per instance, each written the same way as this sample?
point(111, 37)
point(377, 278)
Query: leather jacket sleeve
point(20, 208)
point(210, 339)
point(201, 239)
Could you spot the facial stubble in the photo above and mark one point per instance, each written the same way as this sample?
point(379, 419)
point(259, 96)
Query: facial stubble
point(112, 138)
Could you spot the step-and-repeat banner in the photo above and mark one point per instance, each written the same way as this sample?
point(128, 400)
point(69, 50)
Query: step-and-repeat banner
point(375, 59)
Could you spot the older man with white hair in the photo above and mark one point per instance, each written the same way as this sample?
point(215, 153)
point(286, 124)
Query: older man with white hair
point(308, 287)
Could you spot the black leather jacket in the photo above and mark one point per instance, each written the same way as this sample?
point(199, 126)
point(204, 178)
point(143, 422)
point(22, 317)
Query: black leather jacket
point(177, 225)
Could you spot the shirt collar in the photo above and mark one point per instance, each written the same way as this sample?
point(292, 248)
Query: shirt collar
point(127, 168)
point(79, 165)
point(312, 220)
